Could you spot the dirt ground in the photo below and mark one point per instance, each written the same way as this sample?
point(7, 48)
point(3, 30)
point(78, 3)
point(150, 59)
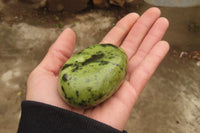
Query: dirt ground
point(170, 103)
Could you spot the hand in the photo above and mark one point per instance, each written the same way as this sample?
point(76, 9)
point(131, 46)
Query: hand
point(139, 37)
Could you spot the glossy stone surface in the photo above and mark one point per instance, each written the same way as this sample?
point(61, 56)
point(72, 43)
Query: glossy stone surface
point(93, 75)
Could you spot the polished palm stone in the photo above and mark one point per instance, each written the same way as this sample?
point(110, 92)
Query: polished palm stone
point(93, 75)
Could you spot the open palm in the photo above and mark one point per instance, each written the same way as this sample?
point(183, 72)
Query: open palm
point(139, 36)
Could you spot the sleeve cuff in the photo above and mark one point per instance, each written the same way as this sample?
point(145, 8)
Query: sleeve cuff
point(43, 118)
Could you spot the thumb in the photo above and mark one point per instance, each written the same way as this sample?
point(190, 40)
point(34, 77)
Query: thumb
point(59, 52)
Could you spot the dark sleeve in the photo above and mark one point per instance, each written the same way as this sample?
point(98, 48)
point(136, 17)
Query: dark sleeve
point(43, 118)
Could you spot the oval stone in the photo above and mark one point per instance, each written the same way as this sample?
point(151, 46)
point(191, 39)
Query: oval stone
point(93, 75)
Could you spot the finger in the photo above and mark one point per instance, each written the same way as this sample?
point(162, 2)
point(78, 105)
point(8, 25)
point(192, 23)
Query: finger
point(146, 68)
point(155, 35)
point(120, 30)
point(59, 52)
point(139, 31)
point(124, 99)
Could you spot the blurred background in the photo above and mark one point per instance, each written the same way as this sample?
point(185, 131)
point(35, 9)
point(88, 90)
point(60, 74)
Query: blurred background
point(170, 103)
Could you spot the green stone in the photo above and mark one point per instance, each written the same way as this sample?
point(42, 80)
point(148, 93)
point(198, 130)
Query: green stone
point(93, 75)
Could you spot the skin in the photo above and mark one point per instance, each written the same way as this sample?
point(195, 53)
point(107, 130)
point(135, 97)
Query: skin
point(139, 36)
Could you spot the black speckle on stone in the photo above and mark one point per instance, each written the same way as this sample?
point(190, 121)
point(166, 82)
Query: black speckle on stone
point(89, 89)
point(80, 68)
point(110, 57)
point(99, 52)
point(109, 45)
point(77, 93)
point(75, 64)
point(75, 67)
point(79, 53)
point(64, 77)
point(89, 100)
point(115, 64)
point(103, 62)
point(66, 65)
point(82, 103)
point(98, 97)
point(93, 58)
point(71, 100)
point(93, 95)
point(65, 94)
point(63, 89)
point(68, 98)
